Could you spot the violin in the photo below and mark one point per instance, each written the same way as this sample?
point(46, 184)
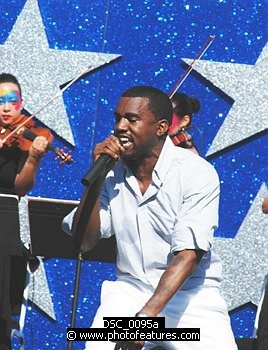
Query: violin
point(23, 131)
point(183, 138)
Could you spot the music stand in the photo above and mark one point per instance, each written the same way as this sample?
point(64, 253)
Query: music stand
point(48, 239)
point(10, 243)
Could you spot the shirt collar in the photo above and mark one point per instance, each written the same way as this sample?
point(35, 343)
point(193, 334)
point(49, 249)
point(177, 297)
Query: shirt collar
point(164, 162)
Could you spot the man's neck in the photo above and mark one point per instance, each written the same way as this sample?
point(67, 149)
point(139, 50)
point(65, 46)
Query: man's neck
point(143, 169)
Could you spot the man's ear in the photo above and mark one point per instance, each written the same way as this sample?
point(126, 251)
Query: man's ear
point(163, 127)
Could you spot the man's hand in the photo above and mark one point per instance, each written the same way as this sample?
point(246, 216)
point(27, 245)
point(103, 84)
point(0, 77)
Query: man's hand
point(111, 146)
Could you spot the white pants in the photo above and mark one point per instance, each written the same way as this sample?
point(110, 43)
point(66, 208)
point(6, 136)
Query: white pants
point(202, 308)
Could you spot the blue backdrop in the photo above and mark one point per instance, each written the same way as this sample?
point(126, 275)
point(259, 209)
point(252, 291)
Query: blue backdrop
point(151, 39)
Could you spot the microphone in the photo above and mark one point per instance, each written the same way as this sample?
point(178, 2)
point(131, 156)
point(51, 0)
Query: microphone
point(102, 164)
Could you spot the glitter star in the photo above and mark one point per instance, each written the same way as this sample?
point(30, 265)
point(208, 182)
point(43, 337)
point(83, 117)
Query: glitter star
point(244, 270)
point(41, 70)
point(38, 289)
point(247, 86)
point(39, 292)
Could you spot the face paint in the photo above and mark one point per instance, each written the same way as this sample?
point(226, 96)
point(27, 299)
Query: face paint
point(9, 96)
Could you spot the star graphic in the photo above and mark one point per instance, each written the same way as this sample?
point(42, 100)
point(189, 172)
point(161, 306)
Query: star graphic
point(38, 289)
point(247, 86)
point(244, 270)
point(39, 292)
point(42, 70)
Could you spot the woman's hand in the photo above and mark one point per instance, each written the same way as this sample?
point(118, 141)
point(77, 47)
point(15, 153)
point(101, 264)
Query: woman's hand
point(38, 148)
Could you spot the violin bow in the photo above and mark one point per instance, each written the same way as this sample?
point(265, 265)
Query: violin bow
point(85, 71)
point(201, 52)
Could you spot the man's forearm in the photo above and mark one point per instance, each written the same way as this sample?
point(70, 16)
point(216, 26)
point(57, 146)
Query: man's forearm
point(86, 223)
point(181, 267)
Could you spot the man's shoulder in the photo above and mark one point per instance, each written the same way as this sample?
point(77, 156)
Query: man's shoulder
point(185, 155)
point(193, 165)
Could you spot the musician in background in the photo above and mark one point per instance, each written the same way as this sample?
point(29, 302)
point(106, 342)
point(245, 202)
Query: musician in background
point(183, 109)
point(17, 176)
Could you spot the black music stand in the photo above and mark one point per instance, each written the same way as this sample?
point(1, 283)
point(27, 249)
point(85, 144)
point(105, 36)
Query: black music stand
point(10, 228)
point(10, 245)
point(48, 239)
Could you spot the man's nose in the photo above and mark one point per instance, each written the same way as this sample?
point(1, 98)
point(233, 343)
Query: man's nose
point(122, 124)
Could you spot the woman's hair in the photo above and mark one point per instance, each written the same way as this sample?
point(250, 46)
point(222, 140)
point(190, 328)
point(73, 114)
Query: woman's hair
point(9, 78)
point(185, 105)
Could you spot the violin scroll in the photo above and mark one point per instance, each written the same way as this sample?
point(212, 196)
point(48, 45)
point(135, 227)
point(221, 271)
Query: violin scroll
point(65, 157)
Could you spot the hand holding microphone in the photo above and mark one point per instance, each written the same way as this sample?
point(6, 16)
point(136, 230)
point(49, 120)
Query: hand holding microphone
point(106, 154)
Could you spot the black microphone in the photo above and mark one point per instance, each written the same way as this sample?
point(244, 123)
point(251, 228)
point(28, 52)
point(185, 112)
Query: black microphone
point(102, 164)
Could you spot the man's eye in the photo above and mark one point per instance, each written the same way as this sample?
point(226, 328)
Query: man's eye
point(132, 120)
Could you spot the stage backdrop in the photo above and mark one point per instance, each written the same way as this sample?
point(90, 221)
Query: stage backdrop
point(121, 43)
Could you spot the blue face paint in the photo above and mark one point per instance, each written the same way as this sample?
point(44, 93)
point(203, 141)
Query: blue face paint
point(12, 97)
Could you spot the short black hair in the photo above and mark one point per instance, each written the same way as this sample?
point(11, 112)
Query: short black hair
point(159, 103)
point(9, 78)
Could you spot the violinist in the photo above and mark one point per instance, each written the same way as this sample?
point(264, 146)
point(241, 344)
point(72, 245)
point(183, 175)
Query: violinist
point(183, 109)
point(18, 169)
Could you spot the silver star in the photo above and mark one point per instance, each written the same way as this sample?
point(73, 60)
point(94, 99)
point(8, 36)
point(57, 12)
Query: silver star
point(38, 289)
point(247, 86)
point(41, 70)
point(244, 270)
point(39, 292)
